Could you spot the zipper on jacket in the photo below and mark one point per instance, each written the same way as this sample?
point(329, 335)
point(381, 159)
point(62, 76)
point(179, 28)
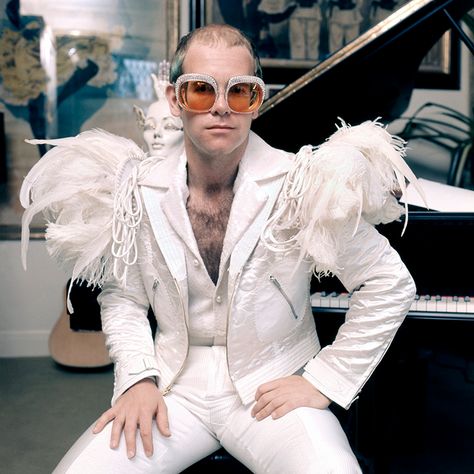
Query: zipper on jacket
point(229, 309)
point(168, 388)
point(156, 283)
point(283, 293)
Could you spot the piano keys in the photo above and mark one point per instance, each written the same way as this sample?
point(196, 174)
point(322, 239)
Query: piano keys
point(423, 306)
point(436, 248)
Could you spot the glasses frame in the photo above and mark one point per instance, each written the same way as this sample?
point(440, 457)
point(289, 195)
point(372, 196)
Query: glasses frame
point(210, 80)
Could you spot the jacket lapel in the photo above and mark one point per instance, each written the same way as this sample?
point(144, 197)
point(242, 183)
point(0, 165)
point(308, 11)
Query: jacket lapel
point(163, 197)
point(261, 174)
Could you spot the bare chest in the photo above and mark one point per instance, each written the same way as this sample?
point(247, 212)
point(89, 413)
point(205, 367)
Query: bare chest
point(209, 218)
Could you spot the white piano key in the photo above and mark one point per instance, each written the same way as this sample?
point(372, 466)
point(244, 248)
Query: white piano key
point(421, 304)
point(470, 305)
point(316, 299)
point(462, 305)
point(344, 300)
point(431, 305)
point(324, 302)
point(451, 305)
point(442, 304)
point(334, 300)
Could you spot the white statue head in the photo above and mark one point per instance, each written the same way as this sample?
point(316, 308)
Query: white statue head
point(162, 132)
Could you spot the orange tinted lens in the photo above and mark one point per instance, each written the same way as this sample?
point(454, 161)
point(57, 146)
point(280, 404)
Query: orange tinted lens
point(197, 95)
point(245, 97)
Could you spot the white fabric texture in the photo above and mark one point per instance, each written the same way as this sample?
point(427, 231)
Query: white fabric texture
point(205, 413)
point(315, 211)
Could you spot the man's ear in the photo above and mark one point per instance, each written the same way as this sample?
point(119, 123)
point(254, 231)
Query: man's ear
point(254, 114)
point(173, 101)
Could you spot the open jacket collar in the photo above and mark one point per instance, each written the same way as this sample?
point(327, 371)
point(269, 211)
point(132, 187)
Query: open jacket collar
point(261, 173)
point(260, 162)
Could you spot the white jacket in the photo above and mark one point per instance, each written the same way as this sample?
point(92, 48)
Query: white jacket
point(270, 327)
point(271, 330)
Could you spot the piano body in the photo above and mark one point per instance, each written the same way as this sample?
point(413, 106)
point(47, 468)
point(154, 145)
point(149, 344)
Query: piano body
point(372, 77)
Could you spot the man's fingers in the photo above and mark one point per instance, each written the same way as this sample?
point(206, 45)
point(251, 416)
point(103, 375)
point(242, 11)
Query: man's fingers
point(162, 418)
point(280, 396)
point(117, 428)
point(267, 402)
point(146, 436)
point(105, 418)
point(266, 387)
point(269, 408)
point(262, 402)
point(130, 433)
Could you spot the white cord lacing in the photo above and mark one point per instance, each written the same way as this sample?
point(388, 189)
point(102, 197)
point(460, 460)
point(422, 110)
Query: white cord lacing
point(127, 216)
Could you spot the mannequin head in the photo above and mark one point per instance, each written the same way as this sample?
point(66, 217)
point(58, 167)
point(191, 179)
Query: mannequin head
point(162, 132)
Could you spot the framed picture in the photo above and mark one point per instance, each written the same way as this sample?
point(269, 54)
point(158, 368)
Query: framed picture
point(71, 66)
point(294, 36)
point(440, 69)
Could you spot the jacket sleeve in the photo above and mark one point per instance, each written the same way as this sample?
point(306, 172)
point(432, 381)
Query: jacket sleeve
point(127, 331)
point(383, 291)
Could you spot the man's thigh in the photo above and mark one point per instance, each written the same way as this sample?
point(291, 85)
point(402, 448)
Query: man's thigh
point(305, 440)
point(190, 441)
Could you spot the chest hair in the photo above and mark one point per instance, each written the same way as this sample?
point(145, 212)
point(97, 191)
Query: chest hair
point(209, 214)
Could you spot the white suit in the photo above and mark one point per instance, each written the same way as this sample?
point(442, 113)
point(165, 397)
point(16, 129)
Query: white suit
point(261, 307)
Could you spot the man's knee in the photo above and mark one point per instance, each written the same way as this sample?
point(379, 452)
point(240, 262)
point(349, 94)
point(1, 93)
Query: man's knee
point(342, 463)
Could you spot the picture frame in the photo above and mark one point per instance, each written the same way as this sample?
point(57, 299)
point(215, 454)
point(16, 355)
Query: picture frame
point(439, 70)
point(441, 67)
point(69, 67)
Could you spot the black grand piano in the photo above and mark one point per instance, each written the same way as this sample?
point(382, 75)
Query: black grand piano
point(374, 76)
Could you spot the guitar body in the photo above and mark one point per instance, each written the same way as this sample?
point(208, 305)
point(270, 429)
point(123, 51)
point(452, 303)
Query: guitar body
point(79, 348)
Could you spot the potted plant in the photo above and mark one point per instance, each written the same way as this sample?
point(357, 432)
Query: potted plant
point(450, 130)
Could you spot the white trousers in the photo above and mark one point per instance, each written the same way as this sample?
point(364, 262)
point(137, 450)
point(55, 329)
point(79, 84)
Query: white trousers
point(205, 413)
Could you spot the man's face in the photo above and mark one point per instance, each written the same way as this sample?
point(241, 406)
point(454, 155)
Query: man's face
point(220, 131)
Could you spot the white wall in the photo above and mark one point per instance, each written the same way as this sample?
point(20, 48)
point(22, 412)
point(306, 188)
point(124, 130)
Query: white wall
point(30, 302)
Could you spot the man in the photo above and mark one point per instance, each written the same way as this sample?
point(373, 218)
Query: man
point(222, 257)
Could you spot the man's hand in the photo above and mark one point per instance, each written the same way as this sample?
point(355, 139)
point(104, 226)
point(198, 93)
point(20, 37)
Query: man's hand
point(134, 409)
point(280, 396)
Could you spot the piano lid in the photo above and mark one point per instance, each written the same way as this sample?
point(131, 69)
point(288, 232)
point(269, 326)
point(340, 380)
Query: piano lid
point(373, 76)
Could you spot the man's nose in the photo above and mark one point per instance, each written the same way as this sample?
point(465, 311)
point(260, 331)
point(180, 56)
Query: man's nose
point(220, 107)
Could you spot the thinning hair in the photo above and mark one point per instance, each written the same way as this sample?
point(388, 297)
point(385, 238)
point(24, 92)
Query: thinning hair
point(212, 35)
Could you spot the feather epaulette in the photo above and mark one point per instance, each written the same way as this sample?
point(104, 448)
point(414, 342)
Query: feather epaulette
point(86, 187)
point(355, 173)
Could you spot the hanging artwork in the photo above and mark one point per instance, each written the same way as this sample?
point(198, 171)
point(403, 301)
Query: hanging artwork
point(70, 66)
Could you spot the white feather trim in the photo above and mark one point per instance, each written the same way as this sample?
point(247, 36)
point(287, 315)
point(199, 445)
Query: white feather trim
point(91, 209)
point(354, 173)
